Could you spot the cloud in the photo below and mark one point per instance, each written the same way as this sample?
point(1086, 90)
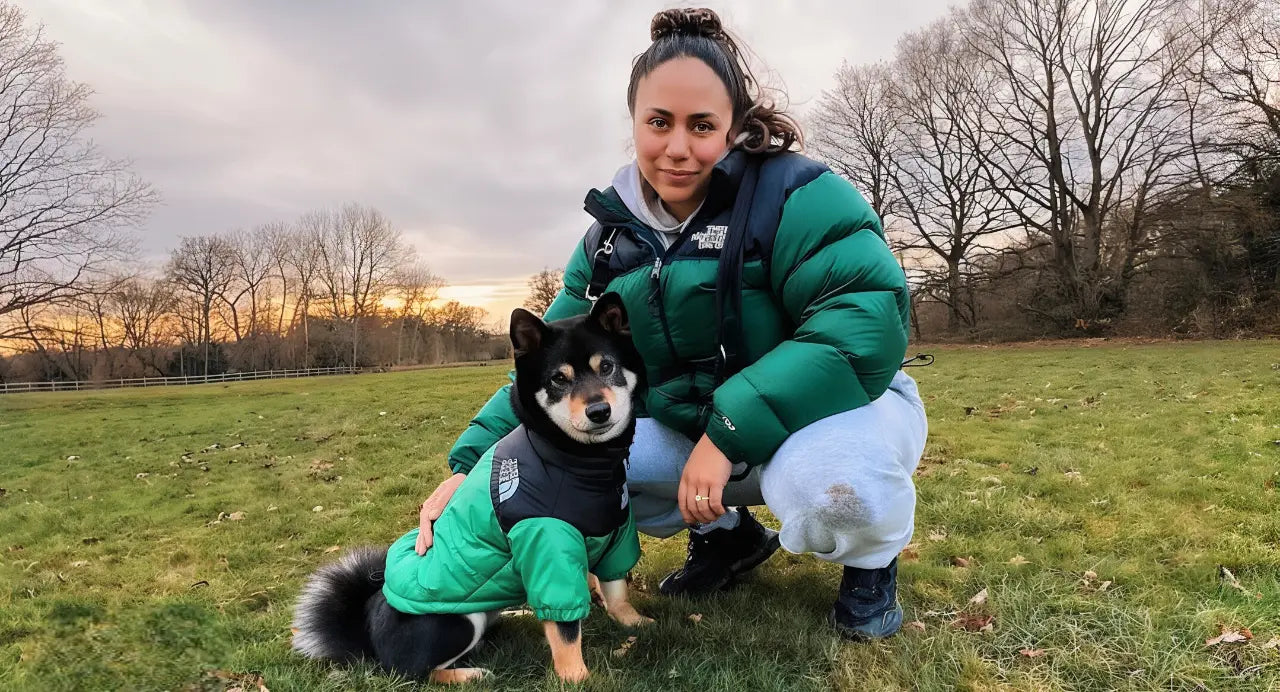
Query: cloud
point(476, 127)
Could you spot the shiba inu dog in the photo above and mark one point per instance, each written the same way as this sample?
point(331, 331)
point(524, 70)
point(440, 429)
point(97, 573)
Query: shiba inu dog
point(543, 518)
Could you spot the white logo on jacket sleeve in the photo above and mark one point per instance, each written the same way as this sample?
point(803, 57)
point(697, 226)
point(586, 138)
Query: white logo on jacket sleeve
point(508, 479)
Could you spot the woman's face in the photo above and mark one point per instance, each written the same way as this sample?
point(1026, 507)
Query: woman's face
point(681, 125)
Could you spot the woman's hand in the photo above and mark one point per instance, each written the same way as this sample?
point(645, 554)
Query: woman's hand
point(433, 508)
point(705, 475)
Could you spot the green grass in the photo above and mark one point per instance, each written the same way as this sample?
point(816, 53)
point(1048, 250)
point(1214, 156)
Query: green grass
point(1147, 466)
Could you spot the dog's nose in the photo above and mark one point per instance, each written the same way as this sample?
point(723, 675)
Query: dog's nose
point(598, 412)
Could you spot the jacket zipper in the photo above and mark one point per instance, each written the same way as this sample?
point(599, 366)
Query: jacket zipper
point(596, 206)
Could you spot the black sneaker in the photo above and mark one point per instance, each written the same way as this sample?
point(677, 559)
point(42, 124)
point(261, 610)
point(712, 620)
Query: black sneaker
point(867, 605)
point(717, 556)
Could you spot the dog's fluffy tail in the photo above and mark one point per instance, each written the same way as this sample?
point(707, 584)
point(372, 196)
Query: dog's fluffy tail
point(329, 621)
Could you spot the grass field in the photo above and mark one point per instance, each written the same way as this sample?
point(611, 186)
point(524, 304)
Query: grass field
point(1079, 501)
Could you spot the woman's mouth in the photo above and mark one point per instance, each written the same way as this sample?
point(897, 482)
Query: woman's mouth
point(677, 177)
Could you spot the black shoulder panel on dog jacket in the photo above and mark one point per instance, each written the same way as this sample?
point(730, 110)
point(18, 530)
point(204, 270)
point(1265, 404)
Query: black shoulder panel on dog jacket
point(531, 478)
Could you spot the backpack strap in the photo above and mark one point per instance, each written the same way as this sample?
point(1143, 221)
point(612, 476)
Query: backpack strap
point(600, 275)
point(729, 336)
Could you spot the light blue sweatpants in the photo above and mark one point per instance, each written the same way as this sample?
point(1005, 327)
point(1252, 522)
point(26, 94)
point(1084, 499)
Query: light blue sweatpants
point(841, 486)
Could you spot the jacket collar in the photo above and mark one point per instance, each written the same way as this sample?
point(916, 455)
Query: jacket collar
point(605, 462)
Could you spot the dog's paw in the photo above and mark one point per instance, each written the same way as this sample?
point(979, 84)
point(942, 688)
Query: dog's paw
point(576, 672)
point(628, 617)
point(456, 676)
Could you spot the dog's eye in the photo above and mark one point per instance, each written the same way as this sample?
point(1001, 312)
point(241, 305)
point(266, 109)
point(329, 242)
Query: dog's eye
point(606, 368)
point(559, 380)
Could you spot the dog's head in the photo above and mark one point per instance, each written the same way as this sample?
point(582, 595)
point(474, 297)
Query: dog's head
point(580, 373)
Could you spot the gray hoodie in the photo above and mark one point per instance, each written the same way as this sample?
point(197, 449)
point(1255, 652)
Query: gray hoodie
point(642, 200)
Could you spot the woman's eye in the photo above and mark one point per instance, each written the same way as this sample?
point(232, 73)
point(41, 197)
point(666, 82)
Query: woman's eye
point(606, 368)
point(658, 122)
point(703, 128)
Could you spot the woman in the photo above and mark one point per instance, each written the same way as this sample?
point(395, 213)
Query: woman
point(772, 318)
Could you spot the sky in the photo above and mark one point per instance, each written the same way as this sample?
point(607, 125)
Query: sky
point(476, 127)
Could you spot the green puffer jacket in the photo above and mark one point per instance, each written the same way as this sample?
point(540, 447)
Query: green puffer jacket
point(824, 302)
point(474, 566)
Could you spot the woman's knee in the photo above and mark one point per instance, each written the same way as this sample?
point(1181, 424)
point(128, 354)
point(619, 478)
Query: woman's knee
point(657, 454)
point(842, 473)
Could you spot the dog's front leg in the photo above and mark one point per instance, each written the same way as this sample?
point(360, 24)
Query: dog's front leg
point(565, 639)
point(618, 607)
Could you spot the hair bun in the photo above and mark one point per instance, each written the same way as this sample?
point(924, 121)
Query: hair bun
point(686, 21)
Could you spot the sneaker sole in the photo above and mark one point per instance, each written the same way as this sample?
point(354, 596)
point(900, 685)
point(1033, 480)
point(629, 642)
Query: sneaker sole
point(863, 636)
point(737, 569)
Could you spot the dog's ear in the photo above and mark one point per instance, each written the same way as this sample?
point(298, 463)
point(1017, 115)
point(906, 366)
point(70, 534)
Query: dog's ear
point(527, 331)
point(610, 314)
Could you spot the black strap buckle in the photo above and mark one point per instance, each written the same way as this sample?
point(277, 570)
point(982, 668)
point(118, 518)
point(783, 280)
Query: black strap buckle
point(600, 267)
point(926, 359)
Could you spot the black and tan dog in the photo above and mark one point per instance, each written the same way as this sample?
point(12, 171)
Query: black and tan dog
point(544, 513)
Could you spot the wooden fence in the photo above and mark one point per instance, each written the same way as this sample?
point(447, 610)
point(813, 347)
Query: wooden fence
point(7, 387)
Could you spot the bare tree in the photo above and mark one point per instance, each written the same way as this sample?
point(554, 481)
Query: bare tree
point(203, 267)
point(1088, 127)
point(303, 259)
point(276, 238)
point(359, 254)
point(417, 289)
point(854, 132)
point(543, 288)
point(943, 192)
point(63, 204)
point(1241, 68)
point(142, 308)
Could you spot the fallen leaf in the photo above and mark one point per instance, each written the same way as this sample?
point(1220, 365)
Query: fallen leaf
point(625, 648)
point(332, 549)
point(73, 458)
point(272, 508)
point(989, 480)
point(915, 625)
point(1019, 560)
point(911, 553)
point(970, 622)
point(1229, 636)
point(1273, 644)
point(696, 617)
point(140, 476)
point(938, 535)
point(1090, 575)
point(317, 508)
point(1003, 465)
point(1074, 475)
point(382, 413)
point(1032, 653)
point(959, 562)
point(979, 598)
point(235, 516)
point(1104, 586)
point(80, 563)
point(245, 682)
